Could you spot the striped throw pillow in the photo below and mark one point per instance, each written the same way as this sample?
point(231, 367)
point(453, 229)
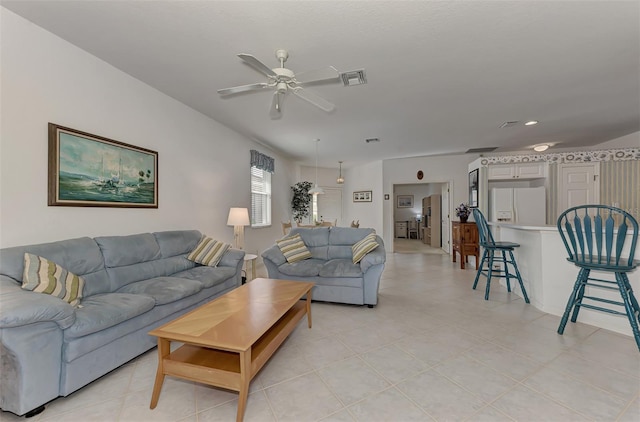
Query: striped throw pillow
point(293, 248)
point(363, 247)
point(208, 252)
point(44, 276)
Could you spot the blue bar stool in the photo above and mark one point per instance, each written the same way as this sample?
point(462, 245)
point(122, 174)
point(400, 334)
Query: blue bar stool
point(594, 242)
point(489, 258)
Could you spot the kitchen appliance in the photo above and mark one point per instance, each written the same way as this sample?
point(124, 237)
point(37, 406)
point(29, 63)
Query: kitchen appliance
point(525, 206)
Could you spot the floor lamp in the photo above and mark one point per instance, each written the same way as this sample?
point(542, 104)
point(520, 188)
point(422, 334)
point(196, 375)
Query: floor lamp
point(238, 218)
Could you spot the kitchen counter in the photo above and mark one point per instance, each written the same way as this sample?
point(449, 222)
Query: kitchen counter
point(549, 277)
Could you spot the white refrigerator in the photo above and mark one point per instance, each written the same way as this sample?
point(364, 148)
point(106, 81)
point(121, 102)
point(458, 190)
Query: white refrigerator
point(525, 206)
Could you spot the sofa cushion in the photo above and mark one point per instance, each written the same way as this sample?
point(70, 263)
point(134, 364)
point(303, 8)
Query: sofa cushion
point(340, 268)
point(312, 237)
point(293, 248)
point(307, 268)
point(81, 256)
point(45, 276)
point(164, 289)
point(105, 310)
point(363, 247)
point(177, 242)
point(119, 251)
point(208, 252)
point(347, 235)
point(208, 276)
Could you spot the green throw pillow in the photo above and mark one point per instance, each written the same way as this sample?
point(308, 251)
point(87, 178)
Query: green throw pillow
point(208, 252)
point(293, 248)
point(44, 276)
point(363, 247)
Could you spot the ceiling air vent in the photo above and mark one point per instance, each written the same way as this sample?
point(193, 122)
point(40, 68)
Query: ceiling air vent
point(353, 77)
point(481, 150)
point(508, 124)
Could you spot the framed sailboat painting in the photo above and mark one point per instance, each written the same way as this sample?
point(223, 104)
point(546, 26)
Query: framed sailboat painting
point(87, 170)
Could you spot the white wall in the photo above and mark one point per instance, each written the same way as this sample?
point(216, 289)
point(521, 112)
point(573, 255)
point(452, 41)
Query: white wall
point(362, 178)
point(203, 166)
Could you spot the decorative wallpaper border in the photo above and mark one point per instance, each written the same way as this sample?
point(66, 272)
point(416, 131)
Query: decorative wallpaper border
point(567, 157)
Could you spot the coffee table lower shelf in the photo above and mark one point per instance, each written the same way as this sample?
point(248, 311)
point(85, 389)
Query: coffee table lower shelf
point(232, 370)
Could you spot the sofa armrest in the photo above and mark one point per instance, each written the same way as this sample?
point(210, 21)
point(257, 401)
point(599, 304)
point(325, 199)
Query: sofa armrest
point(231, 258)
point(376, 256)
point(20, 307)
point(275, 255)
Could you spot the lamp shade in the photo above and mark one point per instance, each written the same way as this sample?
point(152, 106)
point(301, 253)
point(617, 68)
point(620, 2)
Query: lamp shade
point(316, 190)
point(238, 217)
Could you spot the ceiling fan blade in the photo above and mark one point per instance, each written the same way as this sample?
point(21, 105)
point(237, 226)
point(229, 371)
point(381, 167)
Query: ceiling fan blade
point(314, 99)
point(257, 65)
point(243, 88)
point(276, 105)
point(325, 75)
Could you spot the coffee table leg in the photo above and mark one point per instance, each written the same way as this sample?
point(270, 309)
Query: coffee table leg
point(245, 379)
point(163, 351)
point(309, 308)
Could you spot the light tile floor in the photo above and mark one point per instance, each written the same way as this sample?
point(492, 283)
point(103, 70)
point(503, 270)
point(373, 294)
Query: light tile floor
point(433, 349)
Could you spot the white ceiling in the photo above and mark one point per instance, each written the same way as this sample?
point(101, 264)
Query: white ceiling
point(442, 76)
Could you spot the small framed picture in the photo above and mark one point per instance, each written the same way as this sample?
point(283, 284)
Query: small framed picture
point(473, 188)
point(405, 201)
point(363, 196)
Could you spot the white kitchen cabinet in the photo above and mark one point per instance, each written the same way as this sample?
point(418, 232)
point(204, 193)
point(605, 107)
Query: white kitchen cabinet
point(516, 171)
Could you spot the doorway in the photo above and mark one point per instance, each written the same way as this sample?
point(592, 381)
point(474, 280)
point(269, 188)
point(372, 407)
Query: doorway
point(414, 225)
point(578, 185)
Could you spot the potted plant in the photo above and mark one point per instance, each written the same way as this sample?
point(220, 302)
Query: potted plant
point(301, 200)
point(462, 212)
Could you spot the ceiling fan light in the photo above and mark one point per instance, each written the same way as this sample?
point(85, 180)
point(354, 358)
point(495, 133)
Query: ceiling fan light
point(281, 87)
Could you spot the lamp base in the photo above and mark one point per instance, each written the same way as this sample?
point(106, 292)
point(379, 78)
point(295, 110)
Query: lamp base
point(238, 237)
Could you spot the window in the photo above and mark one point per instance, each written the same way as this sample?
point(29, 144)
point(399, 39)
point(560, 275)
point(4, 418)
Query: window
point(260, 197)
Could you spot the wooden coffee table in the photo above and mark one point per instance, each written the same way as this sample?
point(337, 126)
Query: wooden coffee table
point(229, 339)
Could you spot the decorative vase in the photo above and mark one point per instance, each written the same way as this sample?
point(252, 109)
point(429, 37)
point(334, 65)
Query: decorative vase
point(464, 219)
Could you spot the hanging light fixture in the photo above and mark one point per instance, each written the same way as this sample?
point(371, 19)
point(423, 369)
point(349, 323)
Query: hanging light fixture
point(316, 190)
point(340, 179)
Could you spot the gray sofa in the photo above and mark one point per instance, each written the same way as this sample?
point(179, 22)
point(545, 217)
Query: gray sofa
point(331, 267)
point(132, 285)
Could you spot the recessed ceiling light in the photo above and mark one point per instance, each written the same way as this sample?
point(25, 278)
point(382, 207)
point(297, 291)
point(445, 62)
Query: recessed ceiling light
point(541, 148)
point(531, 123)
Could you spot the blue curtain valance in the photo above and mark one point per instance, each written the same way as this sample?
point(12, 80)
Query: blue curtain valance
point(261, 161)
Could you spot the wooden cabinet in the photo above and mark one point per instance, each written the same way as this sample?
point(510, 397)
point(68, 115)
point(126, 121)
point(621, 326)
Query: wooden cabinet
point(464, 237)
point(516, 171)
point(401, 229)
point(432, 220)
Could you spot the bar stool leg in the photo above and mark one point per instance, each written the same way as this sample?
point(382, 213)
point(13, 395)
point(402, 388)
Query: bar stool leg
point(486, 292)
point(572, 301)
point(515, 267)
point(484, 259)
point(580, 296)
point(506, 270)
point(628, 306)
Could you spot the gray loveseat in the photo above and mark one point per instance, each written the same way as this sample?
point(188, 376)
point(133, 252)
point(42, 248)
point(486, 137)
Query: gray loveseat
point(132, 285)
point(331, 267)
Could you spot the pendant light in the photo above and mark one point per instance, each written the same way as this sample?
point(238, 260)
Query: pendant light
point(340, 179)
point(316, 190)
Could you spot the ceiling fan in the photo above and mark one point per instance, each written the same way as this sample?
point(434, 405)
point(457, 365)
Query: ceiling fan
point(285, 80)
